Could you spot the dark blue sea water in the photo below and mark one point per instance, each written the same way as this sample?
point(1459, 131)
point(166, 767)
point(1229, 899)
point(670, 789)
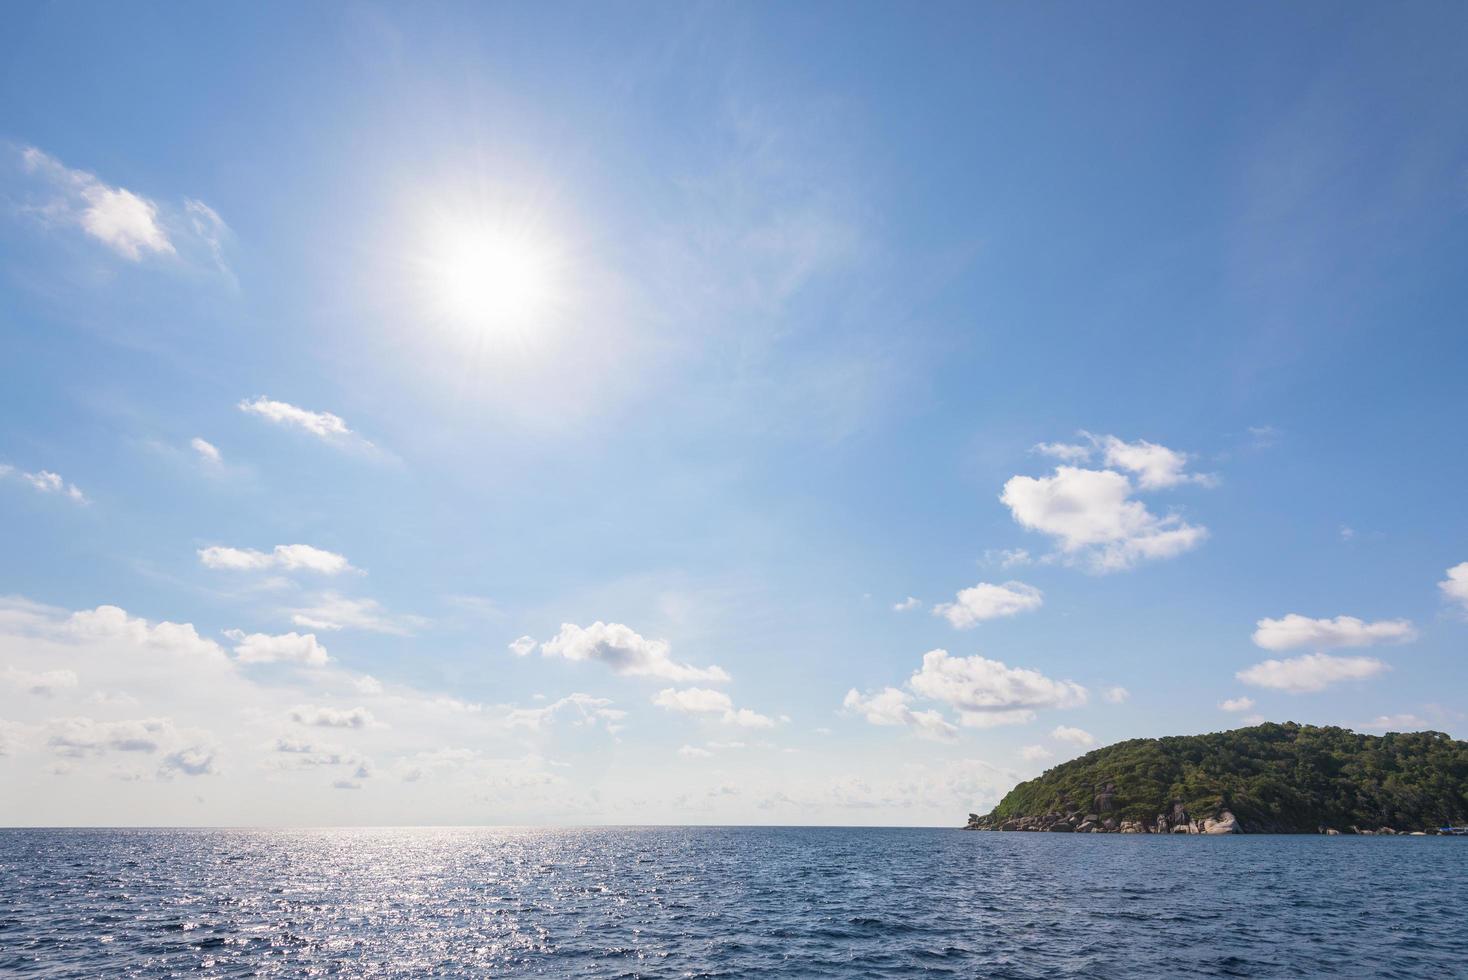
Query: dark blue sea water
point(726, 902)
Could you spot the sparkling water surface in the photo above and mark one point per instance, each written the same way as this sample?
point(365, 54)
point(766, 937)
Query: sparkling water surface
point(726, 902)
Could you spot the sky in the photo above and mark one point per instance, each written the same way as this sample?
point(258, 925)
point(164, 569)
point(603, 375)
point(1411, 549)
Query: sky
point(715, 413)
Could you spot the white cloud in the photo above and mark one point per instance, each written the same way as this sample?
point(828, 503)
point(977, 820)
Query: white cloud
point(326, 426)
point(693, 700)
point(290, 557)
point(191, 761)
point(891, 706)
point(705, 701)
point(1008, 557)
point(1075, 736)
point(694, 752)
point(48, 482)
point(333, 611)
point(1312, 672)
point(1094, 519)
point(1066, 452)
point(1035, 753)
point(1295, 630)
point(1237, 704)
point(1156, 467)
point(44, 683)
point(988, 601)
point(588, 711)
point(910, 603)
point(987, 692)
point(207, 451)
point(177, 639)
point(125, 222)
point(1398, 723)
point(522, 647)
point(1455, 586)
point(625, 652)
point(328, 717)
point(1116, 694)
point(78, 736)
point(262, 648)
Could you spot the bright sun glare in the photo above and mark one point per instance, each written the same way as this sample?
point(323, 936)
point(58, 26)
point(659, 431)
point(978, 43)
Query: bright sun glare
point(492, 280)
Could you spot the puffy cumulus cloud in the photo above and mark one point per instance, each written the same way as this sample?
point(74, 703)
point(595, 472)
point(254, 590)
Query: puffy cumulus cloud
point(1155, 467)
point(288, 557)
point(694, 752)
point(988, 692)
point(1094, 519)
point(891, 706)
point(626, 652)
point(1455, 587)
point(988, 601)
point(1035, 753)
point(334, 611)
point(1075, 736)
point(1236, 704)
point(111, 622)
point(44, 683)
point(522, 647)
point(705, 701)
point(1312, 672)
point(1116, 694)
point(985, 693)
point(583, 709)
point(908, 604)
point(262, 648)
point(1295, 630)
point(328, 717)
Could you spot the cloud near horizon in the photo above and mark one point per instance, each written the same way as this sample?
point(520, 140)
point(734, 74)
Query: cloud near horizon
point(1310, 673)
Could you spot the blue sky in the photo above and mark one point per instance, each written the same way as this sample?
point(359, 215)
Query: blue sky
point(540, 415)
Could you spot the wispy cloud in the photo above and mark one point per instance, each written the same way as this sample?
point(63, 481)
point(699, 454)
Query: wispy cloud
point(128, 223)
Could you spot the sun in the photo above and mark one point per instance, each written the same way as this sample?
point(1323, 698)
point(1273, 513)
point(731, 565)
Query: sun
point(491, 279)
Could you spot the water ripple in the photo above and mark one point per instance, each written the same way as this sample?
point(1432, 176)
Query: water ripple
point(725, 902)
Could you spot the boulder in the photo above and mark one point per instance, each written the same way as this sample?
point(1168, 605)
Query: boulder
point(1060, 827)
point(1332, 832)
point(1088, 827)
point(1224, 823)
point(1132, 827)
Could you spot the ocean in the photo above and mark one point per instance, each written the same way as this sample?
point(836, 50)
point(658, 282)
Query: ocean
point(726, 902)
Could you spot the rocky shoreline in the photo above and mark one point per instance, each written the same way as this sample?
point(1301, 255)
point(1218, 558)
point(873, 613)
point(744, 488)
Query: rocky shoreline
point(1174, 821)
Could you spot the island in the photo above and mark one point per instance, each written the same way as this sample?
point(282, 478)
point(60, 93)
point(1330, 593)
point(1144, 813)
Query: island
point(1270, 779)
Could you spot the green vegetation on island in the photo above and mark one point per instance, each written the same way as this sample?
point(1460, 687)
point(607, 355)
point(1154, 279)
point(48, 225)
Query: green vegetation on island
point(1270, 778)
